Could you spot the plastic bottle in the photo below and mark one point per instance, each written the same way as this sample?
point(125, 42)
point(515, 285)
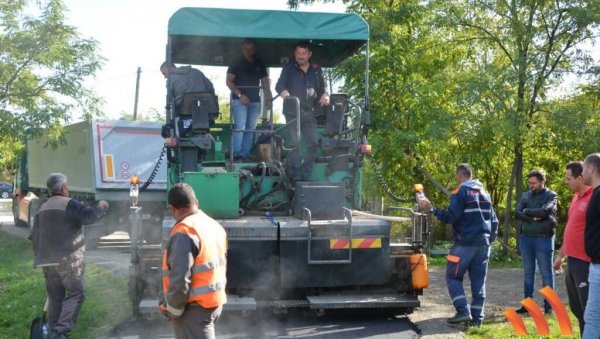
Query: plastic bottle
point(134, 191)
point(419, 272)
point(419, 194)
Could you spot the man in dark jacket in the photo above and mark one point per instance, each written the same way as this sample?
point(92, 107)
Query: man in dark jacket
point(537, 212)
point(303, 79)
point(182, 80)
point(474, 228)
point(59, 249)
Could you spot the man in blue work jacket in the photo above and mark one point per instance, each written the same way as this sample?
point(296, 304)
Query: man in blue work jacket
point(474, 228)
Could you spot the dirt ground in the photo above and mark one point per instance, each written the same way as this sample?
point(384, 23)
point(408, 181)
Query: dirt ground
point(504, 287)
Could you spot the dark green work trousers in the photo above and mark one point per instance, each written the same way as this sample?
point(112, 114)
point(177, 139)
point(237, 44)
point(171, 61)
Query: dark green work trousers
point(196, 322)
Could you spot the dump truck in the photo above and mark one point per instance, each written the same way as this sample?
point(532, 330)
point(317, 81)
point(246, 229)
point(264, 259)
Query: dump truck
point(98, 157)
point(295, 245)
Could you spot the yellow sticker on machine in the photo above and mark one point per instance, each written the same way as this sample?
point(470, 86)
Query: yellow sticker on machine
point(357, 243)
point(110, 166)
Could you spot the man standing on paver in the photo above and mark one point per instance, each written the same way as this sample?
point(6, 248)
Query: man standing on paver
point(303, 79)
point(243, 79)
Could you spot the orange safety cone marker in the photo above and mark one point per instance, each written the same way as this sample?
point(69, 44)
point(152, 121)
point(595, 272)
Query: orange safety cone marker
point(559, 309)
point(538, 316)
point(515, 321)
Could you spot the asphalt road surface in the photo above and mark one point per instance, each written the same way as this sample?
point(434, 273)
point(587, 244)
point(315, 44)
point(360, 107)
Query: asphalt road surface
point(295, 324)
point(291, 325)
point(429, 321)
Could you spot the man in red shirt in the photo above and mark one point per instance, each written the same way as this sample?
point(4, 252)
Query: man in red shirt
point(578, 262)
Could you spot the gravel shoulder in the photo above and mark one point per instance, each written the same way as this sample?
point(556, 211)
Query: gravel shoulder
point(504, 286)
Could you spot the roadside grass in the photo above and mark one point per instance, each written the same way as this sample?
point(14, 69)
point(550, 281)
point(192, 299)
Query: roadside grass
point(505, 330)
point(22, 294)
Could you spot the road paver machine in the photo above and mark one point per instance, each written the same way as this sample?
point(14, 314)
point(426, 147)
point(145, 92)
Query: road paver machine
point(290, 244)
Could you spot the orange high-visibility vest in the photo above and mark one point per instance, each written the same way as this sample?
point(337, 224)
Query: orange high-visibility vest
point(209, 271)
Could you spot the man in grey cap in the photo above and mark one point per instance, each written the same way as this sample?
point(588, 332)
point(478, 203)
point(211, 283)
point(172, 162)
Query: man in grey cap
point(181, 81)
point(59, 249)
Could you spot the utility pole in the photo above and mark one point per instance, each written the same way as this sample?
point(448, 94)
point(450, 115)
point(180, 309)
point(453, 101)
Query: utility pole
point(137, 92)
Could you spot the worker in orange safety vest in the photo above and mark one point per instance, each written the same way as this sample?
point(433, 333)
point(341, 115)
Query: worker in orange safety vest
point(193, 268)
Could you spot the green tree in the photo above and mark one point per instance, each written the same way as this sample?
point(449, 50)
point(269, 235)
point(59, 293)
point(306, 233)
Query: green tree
point(539, 41)
point(455, 81)
point(43, 63)
point(398, 60)
point(417, 122)
point(575, 125)
point(293, 4)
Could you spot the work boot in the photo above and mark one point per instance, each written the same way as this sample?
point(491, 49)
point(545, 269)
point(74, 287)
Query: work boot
point(521, 310)
point(459, 318)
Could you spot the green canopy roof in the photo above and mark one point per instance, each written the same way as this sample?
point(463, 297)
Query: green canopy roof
point(212, 36)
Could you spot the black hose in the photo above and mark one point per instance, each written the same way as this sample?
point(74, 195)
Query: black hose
point(276, 170)
point(383, 183)
point(155, 170)
point(255, 187)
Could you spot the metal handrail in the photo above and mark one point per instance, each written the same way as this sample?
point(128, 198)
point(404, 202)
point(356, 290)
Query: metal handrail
point(348, 218)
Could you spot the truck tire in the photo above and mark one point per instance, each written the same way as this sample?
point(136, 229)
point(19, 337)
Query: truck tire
point(18, 222)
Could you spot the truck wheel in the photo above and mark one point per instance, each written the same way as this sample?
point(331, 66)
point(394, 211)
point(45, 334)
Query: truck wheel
point(18, 222)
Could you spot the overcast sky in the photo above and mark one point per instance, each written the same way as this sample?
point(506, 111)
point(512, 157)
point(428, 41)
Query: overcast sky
point(133, 33)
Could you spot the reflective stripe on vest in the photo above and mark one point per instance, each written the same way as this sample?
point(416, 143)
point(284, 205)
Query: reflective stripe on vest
point(207, 289)
point(200, 268)
point(208, 277)
point(211, 265)
point(480, 210)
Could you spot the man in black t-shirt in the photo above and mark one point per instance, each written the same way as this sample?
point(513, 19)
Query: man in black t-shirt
point(243, 79)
